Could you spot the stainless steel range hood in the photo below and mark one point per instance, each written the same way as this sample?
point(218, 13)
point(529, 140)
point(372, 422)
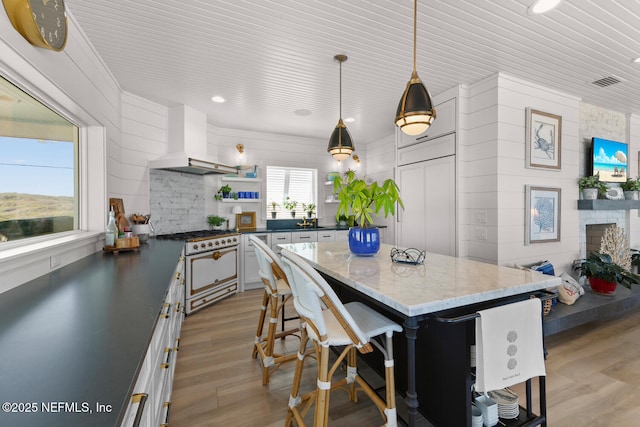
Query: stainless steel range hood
point(187, 132)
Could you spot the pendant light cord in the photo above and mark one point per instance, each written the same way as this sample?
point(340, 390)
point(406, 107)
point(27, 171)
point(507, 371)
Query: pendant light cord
point(415, 30)
point(340, 90)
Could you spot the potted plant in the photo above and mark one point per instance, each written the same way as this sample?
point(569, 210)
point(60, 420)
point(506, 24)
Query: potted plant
point(630, 188)
point(604, 275)
point(225, 190)
point(362, 200)
point(290, 205)
point(274, 205)
point(310, 209)
point(216, 221)
point(591, 186)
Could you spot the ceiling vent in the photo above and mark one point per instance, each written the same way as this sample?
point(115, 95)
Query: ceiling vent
point(607, 81)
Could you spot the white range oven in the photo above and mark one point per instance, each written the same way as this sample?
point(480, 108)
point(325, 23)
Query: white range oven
point(211, 266)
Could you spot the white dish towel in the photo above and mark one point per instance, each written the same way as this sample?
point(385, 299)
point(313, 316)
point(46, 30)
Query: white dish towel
point(509, 346)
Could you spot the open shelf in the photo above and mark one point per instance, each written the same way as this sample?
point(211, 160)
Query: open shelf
point(241, 200)
point(240, 179)
point(610, 205)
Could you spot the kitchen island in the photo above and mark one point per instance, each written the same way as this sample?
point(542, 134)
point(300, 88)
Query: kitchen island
point(73, 341)
point(433, 358)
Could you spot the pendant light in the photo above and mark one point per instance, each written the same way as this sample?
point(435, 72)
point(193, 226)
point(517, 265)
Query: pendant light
point(340, 143)
point(415, 110)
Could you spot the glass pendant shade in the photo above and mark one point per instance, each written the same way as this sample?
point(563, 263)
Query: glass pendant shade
point(340, 143)
point(415, 110)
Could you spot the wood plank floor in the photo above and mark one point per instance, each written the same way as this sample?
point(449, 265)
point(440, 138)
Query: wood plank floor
point(593, 374)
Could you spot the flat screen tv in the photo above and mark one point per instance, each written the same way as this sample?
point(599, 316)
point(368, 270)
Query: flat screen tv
point(610, 159)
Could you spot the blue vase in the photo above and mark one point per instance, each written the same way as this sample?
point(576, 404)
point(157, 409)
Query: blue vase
point(364, 241)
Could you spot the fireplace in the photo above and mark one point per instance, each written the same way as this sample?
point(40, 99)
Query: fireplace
point(594, 233)
point(596, 222)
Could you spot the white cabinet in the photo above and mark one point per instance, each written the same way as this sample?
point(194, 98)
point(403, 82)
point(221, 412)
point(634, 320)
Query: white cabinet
point(326, 235)
point(278, 239)
point(304, 236)
point(249, 277)
point(151, 398)
point(444, 123)
point(428, 220)
point(428, 150)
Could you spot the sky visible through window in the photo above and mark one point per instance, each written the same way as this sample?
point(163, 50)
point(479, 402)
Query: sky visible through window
point(32, 166)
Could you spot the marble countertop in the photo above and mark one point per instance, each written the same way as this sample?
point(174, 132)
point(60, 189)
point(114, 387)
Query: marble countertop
point(440, 283)
point(296, 229)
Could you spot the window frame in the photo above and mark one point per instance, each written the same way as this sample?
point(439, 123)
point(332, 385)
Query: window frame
point(282, 212)
point(25, 259)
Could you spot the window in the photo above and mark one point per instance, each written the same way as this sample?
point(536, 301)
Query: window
point(296, 183)
point(38, 168)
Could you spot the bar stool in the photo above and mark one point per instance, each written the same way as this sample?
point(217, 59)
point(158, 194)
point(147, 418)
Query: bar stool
point(329, 323)
point(276, 294)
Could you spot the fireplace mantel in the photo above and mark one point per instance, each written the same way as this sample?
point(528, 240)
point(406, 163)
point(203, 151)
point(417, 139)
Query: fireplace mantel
point(609, 205)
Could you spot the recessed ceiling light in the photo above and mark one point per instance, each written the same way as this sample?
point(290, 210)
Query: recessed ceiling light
point(349, 120)
point(218, 99)
point(542, 6)
point(302, 112)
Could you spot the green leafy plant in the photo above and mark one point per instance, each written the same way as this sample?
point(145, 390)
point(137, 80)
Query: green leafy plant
point(592, 181)
point(309, 208)
point(274, 205)
point(289, 204)
point(630, 185)
point(215, 220)
point(601, 266)
point(362, 200)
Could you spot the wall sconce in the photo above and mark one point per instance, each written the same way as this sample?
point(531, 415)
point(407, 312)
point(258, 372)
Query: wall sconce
point(240, 148)
point(357, 160)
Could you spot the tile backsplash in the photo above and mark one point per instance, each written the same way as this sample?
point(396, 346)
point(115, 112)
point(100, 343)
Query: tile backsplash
point(177, 201)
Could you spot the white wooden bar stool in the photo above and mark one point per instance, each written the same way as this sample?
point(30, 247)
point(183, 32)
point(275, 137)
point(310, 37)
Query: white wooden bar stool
point(276, 294)
point(329, 323)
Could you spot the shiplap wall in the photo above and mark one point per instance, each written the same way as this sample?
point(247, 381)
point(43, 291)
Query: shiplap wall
point(76, 83)
point(144, 138)
point(268, 149)
point(477, 174)
point(494, 175)
point(379, 162)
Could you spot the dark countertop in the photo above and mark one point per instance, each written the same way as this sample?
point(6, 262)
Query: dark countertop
point(79, 335)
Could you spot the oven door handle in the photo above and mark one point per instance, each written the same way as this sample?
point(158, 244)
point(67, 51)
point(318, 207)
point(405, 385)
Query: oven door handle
point(218, 254)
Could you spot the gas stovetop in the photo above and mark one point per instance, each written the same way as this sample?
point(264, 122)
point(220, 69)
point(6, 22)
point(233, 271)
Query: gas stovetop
point(204, 240)
point(188, 236)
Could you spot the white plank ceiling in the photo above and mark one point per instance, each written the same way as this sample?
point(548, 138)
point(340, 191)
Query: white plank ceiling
point(269, 58)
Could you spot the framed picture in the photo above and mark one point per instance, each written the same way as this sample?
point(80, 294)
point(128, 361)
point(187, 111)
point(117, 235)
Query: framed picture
point(542, 214)
point(543, 140)
point(246, 221)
